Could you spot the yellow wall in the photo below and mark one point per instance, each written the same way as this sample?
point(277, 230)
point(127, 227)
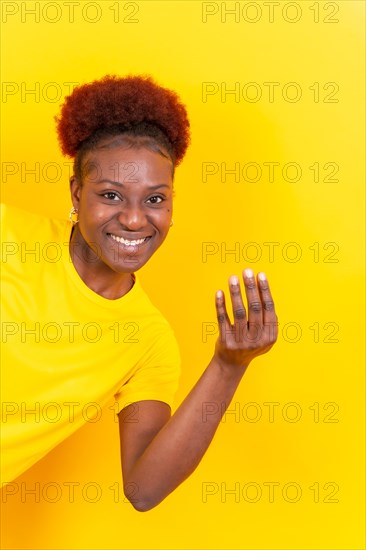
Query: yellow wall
point(291, 449)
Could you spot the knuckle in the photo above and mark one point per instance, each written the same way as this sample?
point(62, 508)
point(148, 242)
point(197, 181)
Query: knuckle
point(250, 284)
point(240, 313)
point(221, 318)
point(271, 338)
point(235, 290)
point(230, 345)
point(255, 307)
point(251, 346)
point(268, 305)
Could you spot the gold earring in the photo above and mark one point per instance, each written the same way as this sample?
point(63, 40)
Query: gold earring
point(171, 223)
point(73, 212)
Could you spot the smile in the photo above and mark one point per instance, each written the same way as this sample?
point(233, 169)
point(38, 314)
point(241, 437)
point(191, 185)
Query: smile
point(128, 242)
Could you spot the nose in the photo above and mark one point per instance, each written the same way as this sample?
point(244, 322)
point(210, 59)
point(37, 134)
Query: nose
point(132, 218)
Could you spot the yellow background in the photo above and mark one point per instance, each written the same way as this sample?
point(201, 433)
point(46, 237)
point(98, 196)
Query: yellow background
point(315, 370)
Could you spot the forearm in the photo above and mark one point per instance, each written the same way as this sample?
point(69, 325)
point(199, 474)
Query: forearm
point(177, 449)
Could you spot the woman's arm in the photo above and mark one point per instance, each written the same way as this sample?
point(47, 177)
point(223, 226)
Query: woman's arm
point(159, 452)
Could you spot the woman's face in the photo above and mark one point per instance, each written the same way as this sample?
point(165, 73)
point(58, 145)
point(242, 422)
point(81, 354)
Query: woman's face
point(124, 204)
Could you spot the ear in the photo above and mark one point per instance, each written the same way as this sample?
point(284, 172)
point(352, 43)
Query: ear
point(75, 189)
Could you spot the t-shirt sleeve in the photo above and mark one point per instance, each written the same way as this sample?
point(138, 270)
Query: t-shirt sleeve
point(158, 375)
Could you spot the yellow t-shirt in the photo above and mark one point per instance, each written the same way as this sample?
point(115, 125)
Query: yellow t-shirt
point(65, 349)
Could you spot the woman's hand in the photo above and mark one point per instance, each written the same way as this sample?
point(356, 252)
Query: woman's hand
point(252, 333)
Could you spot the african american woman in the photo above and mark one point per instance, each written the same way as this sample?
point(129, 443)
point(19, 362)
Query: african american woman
point(78, 328)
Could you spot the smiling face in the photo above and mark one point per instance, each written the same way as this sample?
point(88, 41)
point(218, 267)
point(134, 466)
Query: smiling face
point(124, 204)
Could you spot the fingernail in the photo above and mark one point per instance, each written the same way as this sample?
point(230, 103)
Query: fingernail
point(262, 276)
point(219, 294)
point(248, 273)
point(234, 280)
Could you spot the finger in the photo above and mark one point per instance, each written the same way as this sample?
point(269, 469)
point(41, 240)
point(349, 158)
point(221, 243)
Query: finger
point(269, 313)
point(222, 316)
point(255, 312)
point(239, 311)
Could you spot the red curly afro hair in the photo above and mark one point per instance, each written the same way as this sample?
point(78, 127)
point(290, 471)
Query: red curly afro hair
point(133, 105)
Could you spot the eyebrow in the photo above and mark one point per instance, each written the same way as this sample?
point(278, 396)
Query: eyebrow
point(152, 187)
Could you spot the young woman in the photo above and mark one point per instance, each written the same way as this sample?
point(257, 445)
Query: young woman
point(77, 327)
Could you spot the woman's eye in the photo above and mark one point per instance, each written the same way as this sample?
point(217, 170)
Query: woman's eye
point(111, 196)
point(156, 199)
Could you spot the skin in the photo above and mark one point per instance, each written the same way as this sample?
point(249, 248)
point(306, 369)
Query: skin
point(126, 193)
point(161, 450)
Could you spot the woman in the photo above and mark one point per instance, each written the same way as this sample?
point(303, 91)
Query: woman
point(78, 328)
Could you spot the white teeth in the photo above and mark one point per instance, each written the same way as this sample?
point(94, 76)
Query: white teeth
point(126, 241)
